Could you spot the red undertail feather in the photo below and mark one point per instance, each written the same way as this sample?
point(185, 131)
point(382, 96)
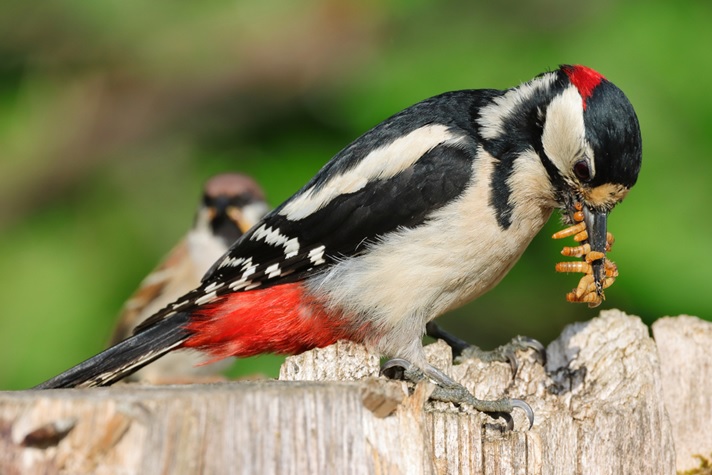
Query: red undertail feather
point(282, 319)
point(585, 79)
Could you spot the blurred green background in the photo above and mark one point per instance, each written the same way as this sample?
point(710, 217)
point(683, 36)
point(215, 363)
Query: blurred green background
point(113, 113)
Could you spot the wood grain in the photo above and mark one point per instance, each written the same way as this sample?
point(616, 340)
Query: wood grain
point(685, 347)
point(599, 405)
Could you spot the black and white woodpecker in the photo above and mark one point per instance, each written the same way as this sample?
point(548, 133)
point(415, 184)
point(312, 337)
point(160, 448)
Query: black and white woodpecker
point(421, 214)
point(230, 205)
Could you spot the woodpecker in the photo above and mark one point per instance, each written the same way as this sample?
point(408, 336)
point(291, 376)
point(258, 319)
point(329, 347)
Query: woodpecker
point(231, 203)
point(421, 214)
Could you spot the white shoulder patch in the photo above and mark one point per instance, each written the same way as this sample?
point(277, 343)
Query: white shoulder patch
point(380, 164)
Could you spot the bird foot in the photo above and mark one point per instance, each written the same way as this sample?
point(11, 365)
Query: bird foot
point(506, 353)
point(448, 390)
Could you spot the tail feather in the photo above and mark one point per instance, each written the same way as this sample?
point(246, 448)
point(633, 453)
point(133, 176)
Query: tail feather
point(125, 357)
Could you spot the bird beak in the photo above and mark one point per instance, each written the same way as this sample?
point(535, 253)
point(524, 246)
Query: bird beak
point(596, 227)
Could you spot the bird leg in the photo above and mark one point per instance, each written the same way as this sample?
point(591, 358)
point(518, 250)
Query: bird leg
point(505, 353)
point(448, 390)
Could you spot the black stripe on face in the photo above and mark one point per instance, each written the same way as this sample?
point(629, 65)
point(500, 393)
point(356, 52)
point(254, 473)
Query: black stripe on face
point(501, 190)
point(523, 132)
point(523, 128)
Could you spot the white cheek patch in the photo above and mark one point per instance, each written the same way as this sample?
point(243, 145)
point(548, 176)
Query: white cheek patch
point(492, 117)
point(564, 136)
point(380, 164)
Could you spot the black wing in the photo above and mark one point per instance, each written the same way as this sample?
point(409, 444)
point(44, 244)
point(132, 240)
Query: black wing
point(352, 219)
point(283, 248)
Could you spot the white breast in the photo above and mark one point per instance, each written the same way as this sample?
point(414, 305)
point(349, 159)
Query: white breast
point(415, 275)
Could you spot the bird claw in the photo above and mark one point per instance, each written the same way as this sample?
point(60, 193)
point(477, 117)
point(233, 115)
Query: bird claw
point(448, 390)
point(509, 420)
point(506, 353)
point(520, 404)
point(501, 408)
point(402, 370)
point(524, 343)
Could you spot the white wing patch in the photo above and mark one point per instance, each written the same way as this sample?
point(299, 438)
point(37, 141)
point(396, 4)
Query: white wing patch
point(273, 271)
point(380, 164)
point(316, 255)
point(275, 238)
point(248, 268)
point(209, 297)
point(239, 284)
point(231, 261)
point(214, 286)
point(492, 117)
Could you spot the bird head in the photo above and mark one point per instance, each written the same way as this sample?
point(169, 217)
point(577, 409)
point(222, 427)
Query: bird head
point(567, 139)
point(591, 147)
point(231, 204)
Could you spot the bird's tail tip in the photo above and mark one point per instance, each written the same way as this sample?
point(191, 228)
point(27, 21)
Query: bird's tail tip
point(124, 358)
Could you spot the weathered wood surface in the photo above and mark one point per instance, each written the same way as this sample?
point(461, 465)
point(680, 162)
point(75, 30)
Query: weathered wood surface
point(685, 347)
point(599, 405)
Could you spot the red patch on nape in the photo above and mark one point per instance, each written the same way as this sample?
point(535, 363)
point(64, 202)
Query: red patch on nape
point(585, 79)
point(282, 319)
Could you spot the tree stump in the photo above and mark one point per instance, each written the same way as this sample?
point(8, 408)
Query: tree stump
point(685, 347)
point(600, 407)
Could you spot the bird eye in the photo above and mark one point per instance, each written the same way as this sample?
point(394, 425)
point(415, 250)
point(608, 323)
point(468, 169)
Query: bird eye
point(582, 171)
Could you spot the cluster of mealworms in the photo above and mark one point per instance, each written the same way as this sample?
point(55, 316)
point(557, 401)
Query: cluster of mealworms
point(586, 291)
